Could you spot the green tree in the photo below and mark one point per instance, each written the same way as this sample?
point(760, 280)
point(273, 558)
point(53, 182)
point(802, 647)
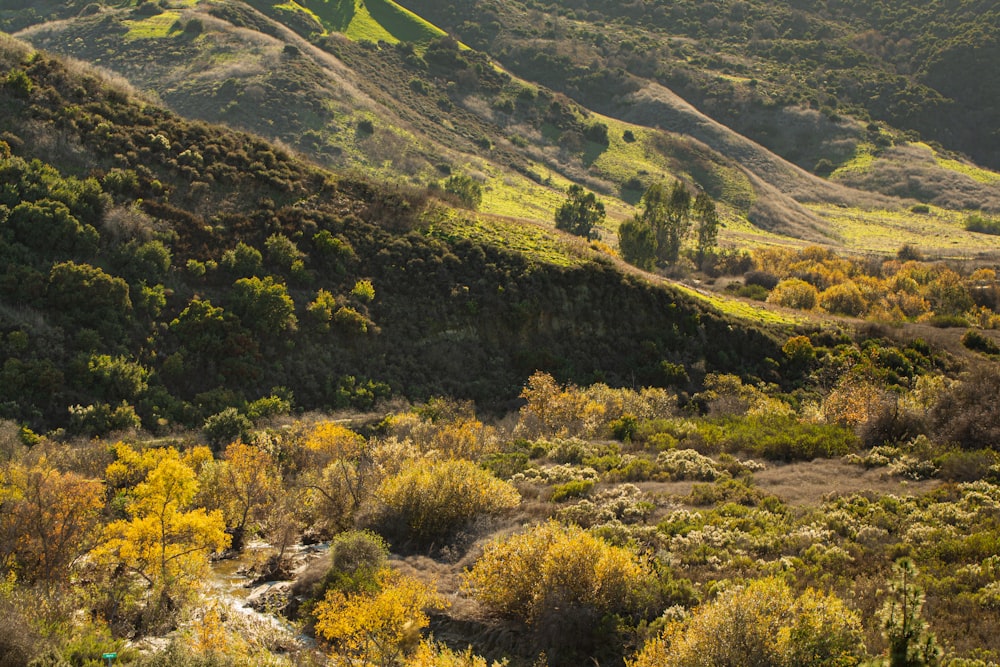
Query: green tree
point(263, 305)
point(49, 228)
point(910, 643)
point(580, 213)
point(668, 214)
point(468, 191)
point(637, 243)
point(243, 260)
point(84, 296)
point(678, 221)
point(707, 218)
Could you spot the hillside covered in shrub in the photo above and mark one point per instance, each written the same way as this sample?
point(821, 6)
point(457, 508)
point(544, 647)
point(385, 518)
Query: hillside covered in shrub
point(159, 271)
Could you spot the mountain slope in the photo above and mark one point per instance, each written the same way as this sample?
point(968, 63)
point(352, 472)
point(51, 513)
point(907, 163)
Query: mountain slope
point(227, 62)
point(165, 270)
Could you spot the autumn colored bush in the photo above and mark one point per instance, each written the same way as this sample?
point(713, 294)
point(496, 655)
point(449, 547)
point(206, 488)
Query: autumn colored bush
point(427, 502)
point(565, 584)
point(762, 623)
point(794, 293)
point(379, 627)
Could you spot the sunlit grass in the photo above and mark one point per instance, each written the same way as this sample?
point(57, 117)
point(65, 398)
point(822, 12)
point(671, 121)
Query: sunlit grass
point(862, 162)
point(938, 232)
point(742, 310)
point(972, 171)
point(533, 241)
point(367, 20)
point(154, 27)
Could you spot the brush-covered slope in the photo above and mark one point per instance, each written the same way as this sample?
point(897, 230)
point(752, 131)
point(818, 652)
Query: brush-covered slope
point(307, 75)
point(173, 269)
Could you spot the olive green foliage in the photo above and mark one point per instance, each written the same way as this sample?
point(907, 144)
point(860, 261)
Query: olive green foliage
point(910, 644)
point(355, 559)
point(581, 213)
point(777, 55)
point(660, 230)
point(468, 191)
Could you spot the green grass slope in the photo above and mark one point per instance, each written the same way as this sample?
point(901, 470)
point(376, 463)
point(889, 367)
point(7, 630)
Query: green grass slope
point(158, 271)
point(372, 20)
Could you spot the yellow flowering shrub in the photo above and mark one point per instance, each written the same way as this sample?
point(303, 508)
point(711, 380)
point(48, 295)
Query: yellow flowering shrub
point(552, 567)
point(377, 628)
point(763, 623)
point(430, 500)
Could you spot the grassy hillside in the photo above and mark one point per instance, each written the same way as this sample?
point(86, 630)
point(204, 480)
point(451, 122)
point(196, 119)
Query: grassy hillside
point(290, 73)
point(213, 269)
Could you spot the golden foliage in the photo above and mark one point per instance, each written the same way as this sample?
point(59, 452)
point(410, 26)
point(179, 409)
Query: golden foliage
point(165, 542)
point(377, 628)
point(794, 293)
point(855, 401)
point(552, 567)
point(48, 516)
point(329, 441)
point(431, 654)
point(434, 498)
point(761, 624)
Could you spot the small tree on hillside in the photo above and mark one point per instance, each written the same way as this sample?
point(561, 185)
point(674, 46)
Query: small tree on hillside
point(910, 643)
point(580, 213)
point(637, 243)
point(708, 223)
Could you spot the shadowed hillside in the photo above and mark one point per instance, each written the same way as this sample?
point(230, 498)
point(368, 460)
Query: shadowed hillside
point(214, 269)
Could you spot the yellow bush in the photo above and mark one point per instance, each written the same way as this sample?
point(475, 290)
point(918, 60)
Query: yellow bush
point(377, 628)
point(763, 623)
point(329, 441)
point(558, 411)
point(794, 293)
point(430, 654)
point(432, 500)
point(557, 569)
point(844, 299)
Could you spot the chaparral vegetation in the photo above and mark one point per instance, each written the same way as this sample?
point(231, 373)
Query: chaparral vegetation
point(547, 333)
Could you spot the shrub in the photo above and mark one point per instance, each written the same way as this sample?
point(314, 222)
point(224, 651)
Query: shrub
point(978, 342)
point(844, 299)
point(226, 426)
point(688, 464)
point(572, 489)
point(429, 502)
point(363, 291)
point(763, 623)
point(982, 225)
point(564, 583)
point(762, 278)
point(356, 557)
point(794, 293)
point(380, 627)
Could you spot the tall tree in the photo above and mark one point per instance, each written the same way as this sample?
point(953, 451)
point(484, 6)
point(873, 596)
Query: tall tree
point(580, 213)
point(708, 223)
point(678, 221)
point(164, 543)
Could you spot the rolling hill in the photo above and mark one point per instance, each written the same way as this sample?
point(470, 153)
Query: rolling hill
point(163, 270)
point(308, 74)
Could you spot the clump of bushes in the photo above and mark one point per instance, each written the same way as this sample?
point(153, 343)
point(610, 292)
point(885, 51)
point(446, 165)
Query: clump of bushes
point(429, 502)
